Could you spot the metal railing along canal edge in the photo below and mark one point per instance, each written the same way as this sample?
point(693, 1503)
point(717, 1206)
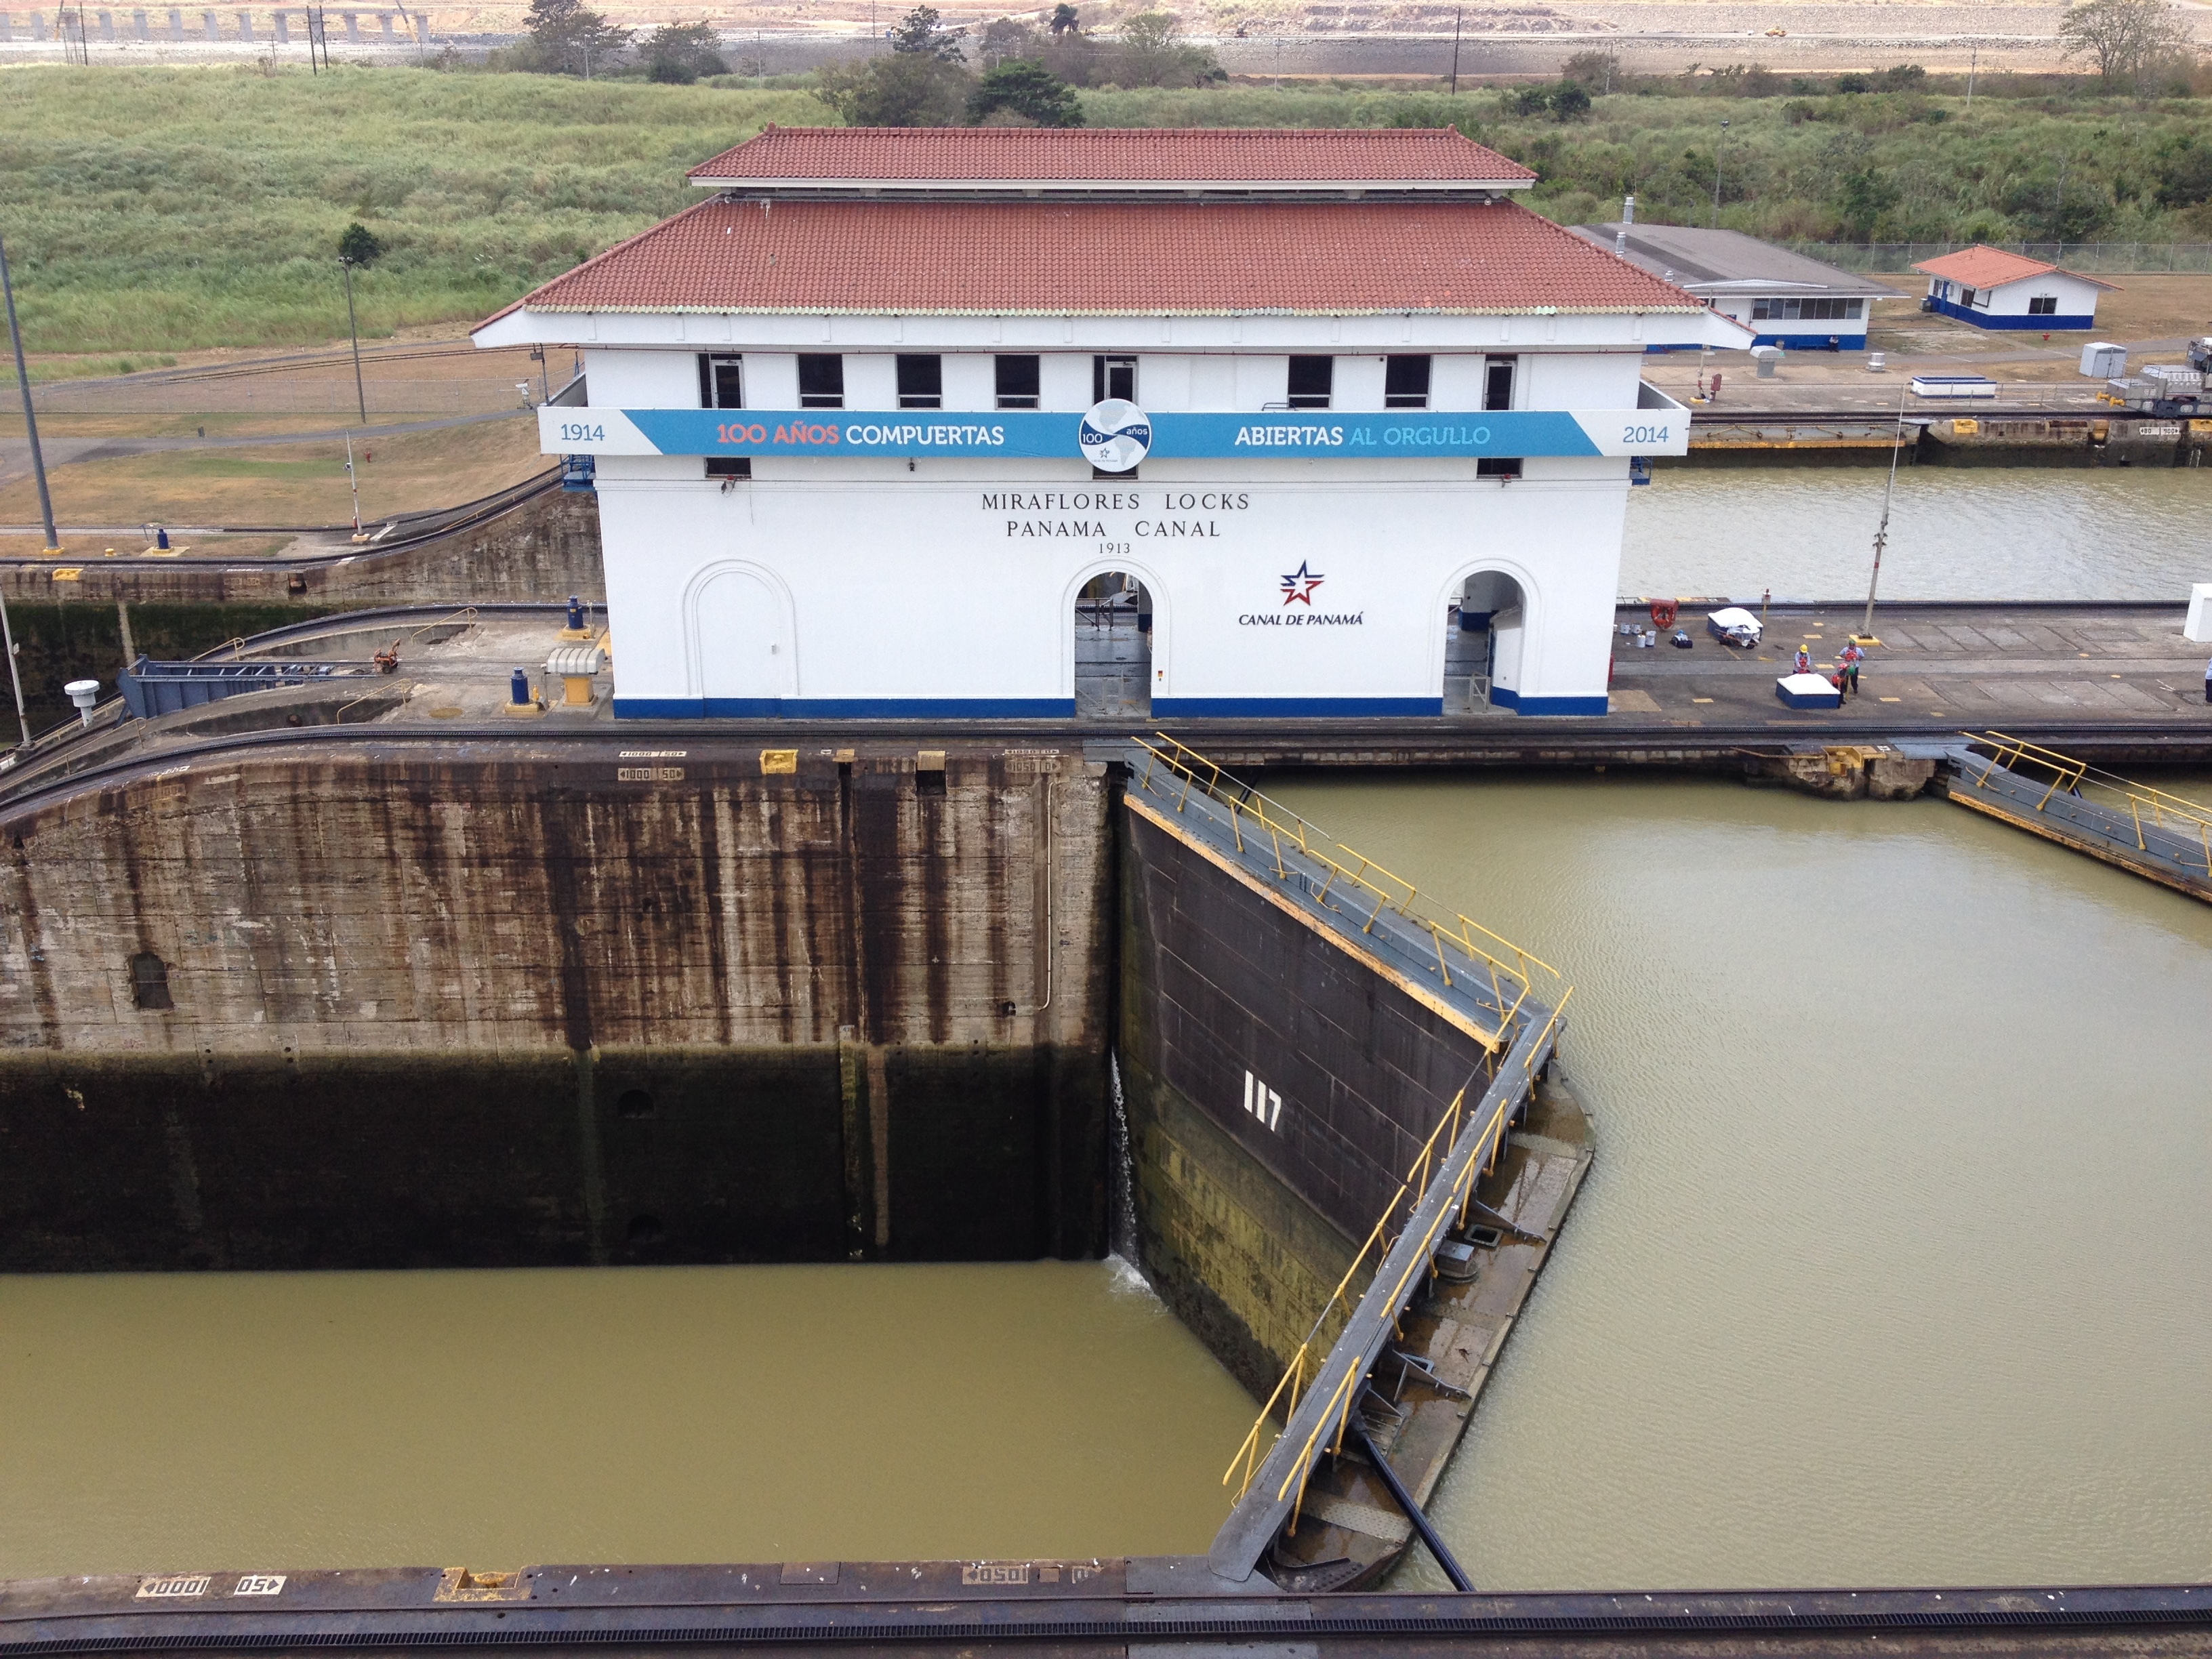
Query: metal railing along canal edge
point(1322, 1386)
point(1273, 1495)
point(2181, 819)
point(1323, 870)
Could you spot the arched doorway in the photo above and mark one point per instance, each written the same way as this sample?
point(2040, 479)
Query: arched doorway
point(741, 642)
point(1482, 644)
point(1114, 647)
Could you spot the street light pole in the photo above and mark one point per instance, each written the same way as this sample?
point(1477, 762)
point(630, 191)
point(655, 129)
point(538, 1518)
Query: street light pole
point(46, 501)
point(1456, 17)
point(361, 396)
point(1718, 150)
point(1882, 531)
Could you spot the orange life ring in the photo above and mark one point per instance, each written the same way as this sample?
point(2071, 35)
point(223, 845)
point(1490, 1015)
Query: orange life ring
point(1663, 612)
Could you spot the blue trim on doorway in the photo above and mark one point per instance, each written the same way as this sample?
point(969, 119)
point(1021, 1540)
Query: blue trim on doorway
point(1187, 708)
point(2016, 324)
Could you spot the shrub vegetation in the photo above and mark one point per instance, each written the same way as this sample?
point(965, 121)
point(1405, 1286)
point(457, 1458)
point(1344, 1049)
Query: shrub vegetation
point(150, 210)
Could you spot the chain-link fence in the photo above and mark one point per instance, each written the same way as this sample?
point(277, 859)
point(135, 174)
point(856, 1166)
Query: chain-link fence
point(280, 395)
point(2107, 258)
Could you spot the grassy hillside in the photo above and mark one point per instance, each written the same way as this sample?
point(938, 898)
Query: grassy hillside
point(166, 209)
point(153, 210)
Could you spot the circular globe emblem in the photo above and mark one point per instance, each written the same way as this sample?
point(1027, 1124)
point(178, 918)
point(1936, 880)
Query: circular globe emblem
point(1115, 435)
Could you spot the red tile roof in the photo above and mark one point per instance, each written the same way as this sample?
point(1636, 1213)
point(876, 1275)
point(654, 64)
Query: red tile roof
point(1982, 266)
point(1134, 155)
point(1145, 259)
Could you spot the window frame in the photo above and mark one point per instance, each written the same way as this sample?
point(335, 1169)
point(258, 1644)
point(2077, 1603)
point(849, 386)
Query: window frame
point(1403, 399)
point(1310, 398)
point(918, 399)
point(711, 363)
point(2043, 305)
point(821, 399)
point(1510, 367)
point(1032, 399)
point(1103, 367)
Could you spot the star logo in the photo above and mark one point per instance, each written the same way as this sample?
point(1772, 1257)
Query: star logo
point(1299, 585)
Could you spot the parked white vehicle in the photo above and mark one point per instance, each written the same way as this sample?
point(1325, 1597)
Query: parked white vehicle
point(1734, 625)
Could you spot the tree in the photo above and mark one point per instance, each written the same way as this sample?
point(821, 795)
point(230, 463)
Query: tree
point(1151, 52)
point(1863, 196)
point(676, 54)
point(921, 33)
point(1593, 70)
point(2184, 171)
point(2127, 37)
point(1026, 89)
point(1064, 21)
point(1008, 38)
point(1570, 102)
point(358, 245)
point(905, 89)
point(566, 37)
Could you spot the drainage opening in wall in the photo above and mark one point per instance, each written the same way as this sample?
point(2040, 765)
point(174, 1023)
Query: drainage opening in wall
point(633, 1103)
point(149, 981)
point(646, 1229)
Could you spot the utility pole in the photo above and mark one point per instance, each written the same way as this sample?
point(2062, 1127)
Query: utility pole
point(360, 397)
point(1973, 63)
point(1882, 531)
point(353, 484)
point(1718, 149)
point(1456, 17)
point(46, 501)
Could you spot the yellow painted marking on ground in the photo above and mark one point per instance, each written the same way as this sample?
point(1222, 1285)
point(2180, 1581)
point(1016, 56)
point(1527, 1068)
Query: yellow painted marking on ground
point(1893, 700)
point(1701, 700)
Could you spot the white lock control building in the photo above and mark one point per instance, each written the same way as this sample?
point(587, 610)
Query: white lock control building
point(1333, 413)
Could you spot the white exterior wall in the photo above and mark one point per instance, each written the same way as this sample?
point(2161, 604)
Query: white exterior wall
point(1822, 330)
point(892, 592)
point(2076, 297)
point(865, 586)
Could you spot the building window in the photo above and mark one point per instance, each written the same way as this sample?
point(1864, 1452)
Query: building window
point(921, 382)
point(821, 380)
point(149, 981)
point(721, 382)
point(1113, 377)
point(1966, 297)
point(1017, 382)
point(729, 466)
point(1406, 383)
point(1498, 385)
point(1311, 380)
point(1498, 466)
point(1809, 311)
point(2043, 305)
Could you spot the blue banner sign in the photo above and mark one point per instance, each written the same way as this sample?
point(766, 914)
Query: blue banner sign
point(1031, 435)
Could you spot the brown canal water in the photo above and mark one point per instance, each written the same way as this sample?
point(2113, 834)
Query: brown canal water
point(1892, 1266)
point(157, 1422)
point(1954, 532)
point(1893, 1269)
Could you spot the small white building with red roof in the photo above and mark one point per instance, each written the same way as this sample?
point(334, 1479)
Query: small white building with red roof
point(1991, 288)
point(1340, 417)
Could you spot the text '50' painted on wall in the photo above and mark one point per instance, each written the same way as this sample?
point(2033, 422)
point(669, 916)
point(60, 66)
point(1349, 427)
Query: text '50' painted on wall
point(1263, 1102)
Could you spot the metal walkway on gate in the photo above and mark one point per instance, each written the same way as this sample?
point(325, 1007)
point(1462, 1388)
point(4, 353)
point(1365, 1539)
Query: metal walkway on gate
point(2161, 837)
point(1510, 1001)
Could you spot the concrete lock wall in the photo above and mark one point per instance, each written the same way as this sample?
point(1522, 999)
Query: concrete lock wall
point(518, 1013)
point(1246, 1225)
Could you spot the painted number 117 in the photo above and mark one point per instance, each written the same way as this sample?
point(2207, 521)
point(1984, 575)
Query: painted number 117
point(1262, 1102)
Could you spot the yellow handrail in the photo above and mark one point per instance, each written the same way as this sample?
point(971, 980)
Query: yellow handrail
point(2067, 772)
point(1461, 933)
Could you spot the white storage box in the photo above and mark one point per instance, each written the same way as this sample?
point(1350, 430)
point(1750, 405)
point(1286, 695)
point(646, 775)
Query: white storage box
point(1807, 691)
point(1954, 386)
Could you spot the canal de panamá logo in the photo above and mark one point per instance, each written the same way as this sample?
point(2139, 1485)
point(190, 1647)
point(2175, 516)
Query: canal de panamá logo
point(1299, 585)
point(1115, 435)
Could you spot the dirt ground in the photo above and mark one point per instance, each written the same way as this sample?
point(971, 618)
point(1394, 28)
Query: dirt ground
point(276, 483)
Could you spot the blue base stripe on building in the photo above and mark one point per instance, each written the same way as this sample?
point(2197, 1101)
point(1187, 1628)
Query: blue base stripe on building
point(843, 709)
point(1203, 708)
point(1505, 697)
point(2022, 325)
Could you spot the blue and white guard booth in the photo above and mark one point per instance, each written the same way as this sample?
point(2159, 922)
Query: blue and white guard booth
point(867, 420)
point(1994, 289)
